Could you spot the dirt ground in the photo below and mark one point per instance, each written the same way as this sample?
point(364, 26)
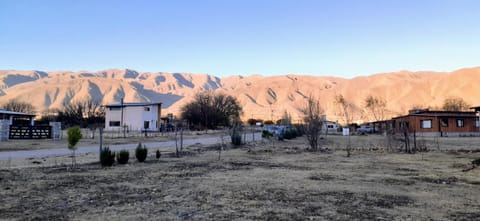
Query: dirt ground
point(261, 181)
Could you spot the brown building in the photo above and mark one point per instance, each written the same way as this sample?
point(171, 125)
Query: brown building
point(438, 123)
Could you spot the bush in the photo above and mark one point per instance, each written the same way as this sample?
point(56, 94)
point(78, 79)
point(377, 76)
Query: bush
point(266, 134)
point(268, 122)
point(236, 139)
point(290, 133)
point(300, 130)
point(107, 157)
point(122, 156)
point(141, 152)
point(158, 154)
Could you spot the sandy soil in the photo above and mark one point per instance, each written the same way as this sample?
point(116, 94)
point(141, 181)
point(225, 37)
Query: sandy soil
point(263, 181)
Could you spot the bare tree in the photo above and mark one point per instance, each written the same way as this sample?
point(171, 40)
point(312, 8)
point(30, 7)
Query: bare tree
point(209, 110)
point(86, 113)
point(455, 104)
point(18, 106)
point(376, 107)
point(346, 109)
point(313, 121)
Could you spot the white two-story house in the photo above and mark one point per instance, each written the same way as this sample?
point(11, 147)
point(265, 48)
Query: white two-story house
point(133, 116)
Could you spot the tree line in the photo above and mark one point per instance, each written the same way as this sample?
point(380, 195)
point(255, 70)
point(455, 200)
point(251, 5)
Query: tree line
point(84, 113)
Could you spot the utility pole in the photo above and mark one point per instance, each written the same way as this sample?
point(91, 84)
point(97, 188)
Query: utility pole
point(121, 116)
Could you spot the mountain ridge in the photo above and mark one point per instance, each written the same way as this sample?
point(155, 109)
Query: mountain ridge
point(263, 97)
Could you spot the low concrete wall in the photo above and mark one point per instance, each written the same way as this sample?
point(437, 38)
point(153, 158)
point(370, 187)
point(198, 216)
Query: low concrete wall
point(4, 130)
point(56, 130)
point(448, 134)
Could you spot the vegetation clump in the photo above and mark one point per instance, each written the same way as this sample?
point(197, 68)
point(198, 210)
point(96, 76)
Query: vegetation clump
point(236, 135)
point(107, 157)
point(123, 156)
point(290, 133)
point(266, 134)
point(74, 134)
point(141, 152)
point(158, 154)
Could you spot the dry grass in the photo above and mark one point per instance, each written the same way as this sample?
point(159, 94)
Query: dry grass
point(256, 182)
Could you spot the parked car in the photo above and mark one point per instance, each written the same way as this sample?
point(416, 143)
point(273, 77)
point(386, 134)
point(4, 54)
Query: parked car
point(365, 129)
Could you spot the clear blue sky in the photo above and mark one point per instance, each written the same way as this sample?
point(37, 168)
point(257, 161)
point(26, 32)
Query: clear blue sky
point(226, 37)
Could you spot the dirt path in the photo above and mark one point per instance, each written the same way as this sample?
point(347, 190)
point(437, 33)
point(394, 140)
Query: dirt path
point(95, 148)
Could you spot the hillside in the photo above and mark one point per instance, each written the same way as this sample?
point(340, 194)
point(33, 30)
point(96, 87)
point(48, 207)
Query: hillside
point(261, 97)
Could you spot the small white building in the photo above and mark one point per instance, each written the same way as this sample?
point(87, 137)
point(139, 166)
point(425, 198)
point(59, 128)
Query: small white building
point(133, 116)
point(330, 126)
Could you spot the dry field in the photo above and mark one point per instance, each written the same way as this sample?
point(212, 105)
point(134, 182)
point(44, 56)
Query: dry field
point(263, 181)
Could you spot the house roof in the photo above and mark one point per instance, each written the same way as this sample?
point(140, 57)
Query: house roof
point(428, 113)
point(132, 104)
point(477, 108)
point(2, 111)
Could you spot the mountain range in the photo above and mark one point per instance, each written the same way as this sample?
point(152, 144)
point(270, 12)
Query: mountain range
point(262, 97)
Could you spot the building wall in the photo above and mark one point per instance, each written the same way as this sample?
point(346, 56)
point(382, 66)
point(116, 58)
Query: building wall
point(437, 126)
point(134, 117)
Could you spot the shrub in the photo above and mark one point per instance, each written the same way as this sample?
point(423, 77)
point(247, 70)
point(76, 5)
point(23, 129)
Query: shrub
point(266, 134)
point(122, 156)
point(236, 139)
point(268, 122)
point(141, 152)
point(107, 157)
point(158, 154)
point(300, 130)
point(290, 133)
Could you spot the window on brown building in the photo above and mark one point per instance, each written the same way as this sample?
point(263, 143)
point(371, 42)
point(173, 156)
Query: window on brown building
point(460, 123)
point(426, 124)
point(444, 122)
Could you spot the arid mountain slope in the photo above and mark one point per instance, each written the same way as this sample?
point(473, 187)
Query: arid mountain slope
point(261, 97)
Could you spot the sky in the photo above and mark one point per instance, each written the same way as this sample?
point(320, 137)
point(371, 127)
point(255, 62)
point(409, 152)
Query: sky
point(343, 38)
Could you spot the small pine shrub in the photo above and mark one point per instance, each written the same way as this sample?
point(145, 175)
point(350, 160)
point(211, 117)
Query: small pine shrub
point(236, 139)
point(107, 157)
point(290, 133)
point(122, 156)
point(158, 154)
point(266, 134)
point(141, 152)
point(300, 130)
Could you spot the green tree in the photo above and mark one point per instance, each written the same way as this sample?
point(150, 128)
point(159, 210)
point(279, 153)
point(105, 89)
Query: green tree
point(209, 110)
point(455, 104)
point(73, 136)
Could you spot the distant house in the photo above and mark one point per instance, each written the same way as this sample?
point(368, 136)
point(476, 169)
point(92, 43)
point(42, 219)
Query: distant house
point(438, 123)
point(330, 126)
point(17, 118)
point(133, 116)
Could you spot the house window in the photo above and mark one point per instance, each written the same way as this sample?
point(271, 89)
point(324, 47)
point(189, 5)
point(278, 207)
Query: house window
point(146, 124)
point(444, 122)
point(114, 123)
point(146, 108)
point(426, 124)
point(460, 123)
point(115, 108)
